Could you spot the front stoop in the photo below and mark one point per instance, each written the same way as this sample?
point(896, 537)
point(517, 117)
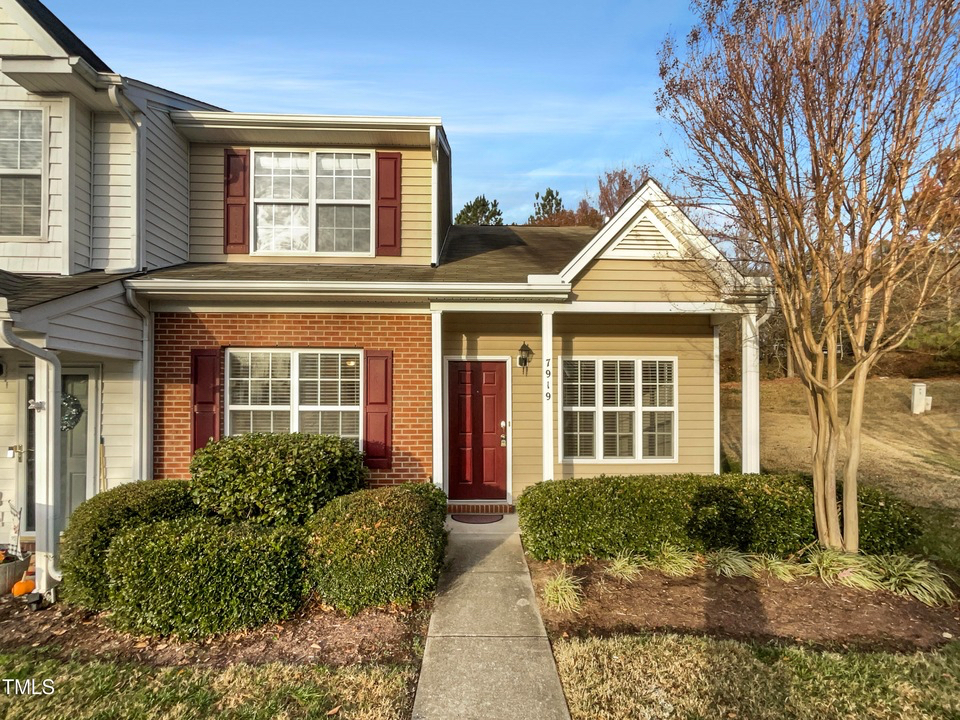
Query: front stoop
point(487, 655)
point(455, 508)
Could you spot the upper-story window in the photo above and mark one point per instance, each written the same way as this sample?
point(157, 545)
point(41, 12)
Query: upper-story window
point(313, 202)
point(21, 150)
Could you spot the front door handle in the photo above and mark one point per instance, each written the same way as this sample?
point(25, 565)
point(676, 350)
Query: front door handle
point(503, 441)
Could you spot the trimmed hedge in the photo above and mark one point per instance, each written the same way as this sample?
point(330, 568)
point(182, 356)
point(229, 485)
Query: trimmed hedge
point(97, 521)
point(274, 479)
point(376, 547)
point(600, 517)
point(195, 577)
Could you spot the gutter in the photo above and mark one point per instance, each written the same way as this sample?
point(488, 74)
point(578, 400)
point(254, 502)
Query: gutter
point(47, 495)
point(426, 290)
point(115, 93)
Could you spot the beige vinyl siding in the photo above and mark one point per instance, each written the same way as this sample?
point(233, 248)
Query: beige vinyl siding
point(689, 338)
point(109, 328)
point(82, 187)
point(118, 425)
point(167, 193)
point(43, 255)
point(645, 281)
point(206, 212)
point(14, 40)
point(112, 191)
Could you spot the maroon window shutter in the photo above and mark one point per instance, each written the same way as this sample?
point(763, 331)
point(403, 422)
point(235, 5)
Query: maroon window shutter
point(388, 203)
point(236, 201)
point(378, 409)
point(205, 397)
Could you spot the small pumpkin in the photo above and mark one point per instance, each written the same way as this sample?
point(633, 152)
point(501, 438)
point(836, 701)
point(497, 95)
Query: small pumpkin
point(23, 586)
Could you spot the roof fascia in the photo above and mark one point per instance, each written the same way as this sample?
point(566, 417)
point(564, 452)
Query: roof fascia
point(214, 120)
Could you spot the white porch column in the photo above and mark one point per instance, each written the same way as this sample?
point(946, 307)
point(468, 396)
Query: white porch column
point(750, 394)
point(436, 354)
point(549, 390)
point(47, 469)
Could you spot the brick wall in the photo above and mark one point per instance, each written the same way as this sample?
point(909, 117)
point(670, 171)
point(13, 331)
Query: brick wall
point(408, 336)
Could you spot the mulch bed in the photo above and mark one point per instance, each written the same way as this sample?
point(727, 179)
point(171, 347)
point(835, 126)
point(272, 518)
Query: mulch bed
point(806, 611)
point(316, 636)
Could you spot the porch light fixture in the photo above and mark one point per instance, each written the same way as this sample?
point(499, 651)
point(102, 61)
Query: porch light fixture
point(523, 359)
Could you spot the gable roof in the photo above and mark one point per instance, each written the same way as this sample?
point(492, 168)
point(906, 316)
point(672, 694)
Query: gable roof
point(64, 36)
point(652, 201)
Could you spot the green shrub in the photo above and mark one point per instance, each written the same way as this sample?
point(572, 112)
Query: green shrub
point(376, 547)
point(569, 520)
point(97, 521)
point(572, 519)
point(887, 524)
point(199, 576)
point(274, 479)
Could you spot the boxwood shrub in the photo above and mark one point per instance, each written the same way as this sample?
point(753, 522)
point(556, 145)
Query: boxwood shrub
point(274, 479)
point(96, 522)
point(376, 547)
point(572, 519)
point(200, 576)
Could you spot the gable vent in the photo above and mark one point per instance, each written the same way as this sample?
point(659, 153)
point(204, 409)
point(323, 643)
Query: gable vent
point(643, 240)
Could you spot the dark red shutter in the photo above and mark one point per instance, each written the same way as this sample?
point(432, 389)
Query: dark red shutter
point(388, 203)
point(378, 408)
point(205, 397)
point(236, 201)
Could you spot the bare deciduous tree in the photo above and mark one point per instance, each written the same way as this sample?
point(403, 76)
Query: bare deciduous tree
point(811, 124)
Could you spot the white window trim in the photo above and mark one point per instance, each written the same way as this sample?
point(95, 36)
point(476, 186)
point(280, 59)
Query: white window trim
point(42, 174)
point(295, 407)
point(311, 202)
point(637, 408)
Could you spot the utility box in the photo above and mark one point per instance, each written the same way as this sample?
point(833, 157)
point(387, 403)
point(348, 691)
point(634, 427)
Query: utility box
point(918, 398)
point(929, 403)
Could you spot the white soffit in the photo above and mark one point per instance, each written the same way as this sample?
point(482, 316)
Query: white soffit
point(646, 238)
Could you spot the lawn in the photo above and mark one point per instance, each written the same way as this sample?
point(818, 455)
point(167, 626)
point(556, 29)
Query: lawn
point(688, 677)
point(102, 688)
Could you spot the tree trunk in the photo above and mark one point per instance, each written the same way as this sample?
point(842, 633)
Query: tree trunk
point(851, 513)
point(826, 440)
point(790, 371)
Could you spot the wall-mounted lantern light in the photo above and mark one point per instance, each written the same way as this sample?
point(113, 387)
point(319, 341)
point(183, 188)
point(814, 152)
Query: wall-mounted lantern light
point(523, 359)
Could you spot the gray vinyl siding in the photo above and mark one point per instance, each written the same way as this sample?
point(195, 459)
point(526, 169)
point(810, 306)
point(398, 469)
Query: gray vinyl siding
point(82, 187)
point(167, 191)
point(112, 191)
point(109, 328)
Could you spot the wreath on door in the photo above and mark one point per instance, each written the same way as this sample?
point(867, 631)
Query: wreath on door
point(71, 410)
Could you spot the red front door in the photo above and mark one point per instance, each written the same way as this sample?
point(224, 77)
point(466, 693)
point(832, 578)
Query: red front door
point(478, 430)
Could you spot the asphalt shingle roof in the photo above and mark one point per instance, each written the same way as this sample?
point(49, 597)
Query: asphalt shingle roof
point(25, 291)
point(493, 254)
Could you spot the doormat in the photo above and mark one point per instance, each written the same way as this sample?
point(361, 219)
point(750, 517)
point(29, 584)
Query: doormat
point(477, 519)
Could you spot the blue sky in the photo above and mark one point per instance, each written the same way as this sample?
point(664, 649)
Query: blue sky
point(532, 94)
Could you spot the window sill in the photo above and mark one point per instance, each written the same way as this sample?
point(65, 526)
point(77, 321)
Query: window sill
point(259, 253)
point(618, 461)
point(23, 239)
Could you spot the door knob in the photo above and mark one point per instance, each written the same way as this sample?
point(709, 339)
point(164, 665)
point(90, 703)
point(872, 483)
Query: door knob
point(503, 441)
point(503, 424)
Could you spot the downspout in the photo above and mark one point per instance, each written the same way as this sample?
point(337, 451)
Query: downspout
point(46, 558)
point(146, 386)
point(115, 93)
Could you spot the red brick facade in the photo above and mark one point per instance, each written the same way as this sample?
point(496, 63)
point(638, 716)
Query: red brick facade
point(408, 336)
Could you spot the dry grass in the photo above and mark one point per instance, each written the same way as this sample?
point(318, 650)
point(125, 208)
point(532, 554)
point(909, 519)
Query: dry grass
point(673, 676)
point(105, 689)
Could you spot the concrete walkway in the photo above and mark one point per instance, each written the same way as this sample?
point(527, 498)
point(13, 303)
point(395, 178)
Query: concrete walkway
point(487, 655)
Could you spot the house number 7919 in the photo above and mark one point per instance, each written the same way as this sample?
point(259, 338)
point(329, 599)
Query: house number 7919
point(547, 381)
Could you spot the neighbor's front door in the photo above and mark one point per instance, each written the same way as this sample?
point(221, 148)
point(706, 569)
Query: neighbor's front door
point(478, 430)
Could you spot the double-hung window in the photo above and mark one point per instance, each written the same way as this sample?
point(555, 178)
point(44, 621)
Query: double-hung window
point(313, 202)
point(309, 391)
point(21, 152)
point(619, 409)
